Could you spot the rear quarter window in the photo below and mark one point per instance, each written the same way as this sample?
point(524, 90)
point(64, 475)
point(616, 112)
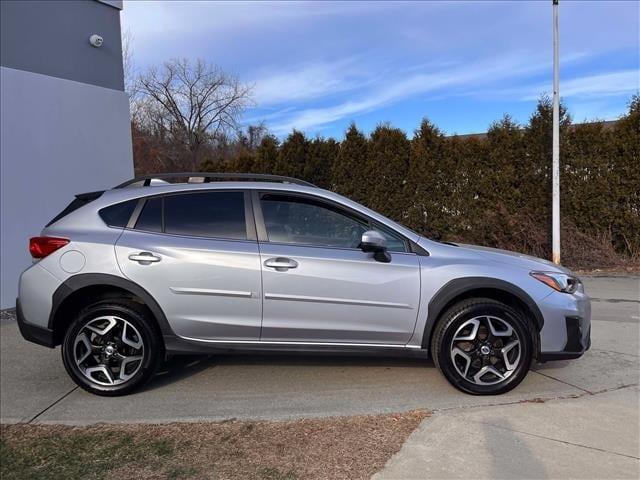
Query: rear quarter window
point(118, 215)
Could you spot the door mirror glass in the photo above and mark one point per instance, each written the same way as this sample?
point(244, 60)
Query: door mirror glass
point(373, 241)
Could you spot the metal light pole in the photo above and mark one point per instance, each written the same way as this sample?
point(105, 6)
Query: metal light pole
point(555, 210)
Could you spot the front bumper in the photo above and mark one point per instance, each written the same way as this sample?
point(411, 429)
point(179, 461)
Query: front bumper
point(578, 341)
point(33, 333)
point(566, 333)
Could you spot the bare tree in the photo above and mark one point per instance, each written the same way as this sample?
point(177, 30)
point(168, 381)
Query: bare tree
point(191, 104)
point(254, 135)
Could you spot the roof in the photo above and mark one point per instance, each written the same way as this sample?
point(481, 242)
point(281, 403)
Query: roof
point(207, 177)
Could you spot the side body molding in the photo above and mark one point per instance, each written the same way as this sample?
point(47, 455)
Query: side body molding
point(460, 286)
point(77, 282)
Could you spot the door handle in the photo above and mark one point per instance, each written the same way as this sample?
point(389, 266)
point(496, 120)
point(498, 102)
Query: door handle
point(144, 258)
point(281, 264)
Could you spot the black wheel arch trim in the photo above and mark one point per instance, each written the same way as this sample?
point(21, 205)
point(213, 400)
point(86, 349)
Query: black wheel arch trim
point(77, 282)
point(460, 286)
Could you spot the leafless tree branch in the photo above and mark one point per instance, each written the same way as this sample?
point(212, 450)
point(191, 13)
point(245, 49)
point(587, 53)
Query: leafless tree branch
point(191, 102)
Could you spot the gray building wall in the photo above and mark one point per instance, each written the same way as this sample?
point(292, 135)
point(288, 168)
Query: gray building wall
point(52, 38)
point(64, 124)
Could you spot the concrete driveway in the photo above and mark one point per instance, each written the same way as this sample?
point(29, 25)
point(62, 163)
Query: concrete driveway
point(593, 434)
point(35, 388)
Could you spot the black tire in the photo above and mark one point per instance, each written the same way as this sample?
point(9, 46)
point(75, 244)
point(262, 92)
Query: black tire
point(144, 330)
point(460, 314)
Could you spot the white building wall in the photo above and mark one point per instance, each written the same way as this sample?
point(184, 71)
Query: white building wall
point(58, 138)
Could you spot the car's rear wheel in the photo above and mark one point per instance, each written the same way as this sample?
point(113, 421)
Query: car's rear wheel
point(482, 346)
point(112, 347)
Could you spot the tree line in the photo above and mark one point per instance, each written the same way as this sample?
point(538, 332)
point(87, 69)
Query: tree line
point(492, 190)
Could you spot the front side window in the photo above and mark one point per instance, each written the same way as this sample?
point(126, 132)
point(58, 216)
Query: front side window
point(299, 220)
point(395, 243)
point(202, 214)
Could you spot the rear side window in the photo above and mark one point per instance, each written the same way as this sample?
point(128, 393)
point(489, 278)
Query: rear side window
point(203, 214)
point(150, 218)
point(207, 214)
point(118, 215)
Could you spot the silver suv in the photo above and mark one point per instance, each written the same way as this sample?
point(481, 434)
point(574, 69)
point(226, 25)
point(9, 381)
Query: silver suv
point(125, 277)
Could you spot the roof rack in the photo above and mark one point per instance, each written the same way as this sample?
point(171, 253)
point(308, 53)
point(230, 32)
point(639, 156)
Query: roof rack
point(207, 177)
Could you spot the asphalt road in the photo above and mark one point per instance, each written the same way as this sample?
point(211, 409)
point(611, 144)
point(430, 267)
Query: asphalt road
point(35, 388)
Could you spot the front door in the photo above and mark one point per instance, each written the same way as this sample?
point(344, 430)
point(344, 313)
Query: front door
point(196, 254)
point(320, 287)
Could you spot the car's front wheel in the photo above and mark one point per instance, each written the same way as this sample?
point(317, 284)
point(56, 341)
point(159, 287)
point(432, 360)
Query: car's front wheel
point(482, 346)
point(112, 347)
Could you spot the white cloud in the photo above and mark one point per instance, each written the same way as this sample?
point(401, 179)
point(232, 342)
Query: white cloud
point(607, 84)
point(308, 81)
point(398, 87)
point(190, 17)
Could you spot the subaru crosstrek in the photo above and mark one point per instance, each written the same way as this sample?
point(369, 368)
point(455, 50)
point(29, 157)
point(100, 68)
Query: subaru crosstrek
point(126, 277)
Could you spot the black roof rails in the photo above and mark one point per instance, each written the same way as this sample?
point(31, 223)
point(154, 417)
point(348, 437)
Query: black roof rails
point(208, 177)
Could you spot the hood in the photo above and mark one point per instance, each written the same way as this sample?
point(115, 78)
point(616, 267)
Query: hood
point(506, 257)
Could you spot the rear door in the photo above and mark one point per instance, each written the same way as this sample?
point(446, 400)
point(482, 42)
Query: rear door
point(196, 254)
point(320, 287)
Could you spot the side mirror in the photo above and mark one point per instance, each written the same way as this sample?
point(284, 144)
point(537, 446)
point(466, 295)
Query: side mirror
point(373, 241)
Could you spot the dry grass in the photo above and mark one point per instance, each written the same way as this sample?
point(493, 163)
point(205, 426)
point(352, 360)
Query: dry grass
point(589, 253)
point(337, 448)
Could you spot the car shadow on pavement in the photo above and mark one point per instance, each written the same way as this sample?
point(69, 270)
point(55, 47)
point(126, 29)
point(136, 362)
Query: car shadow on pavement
point(500, 438)
point(180, 367)
point(321, 360)
point(555, 365)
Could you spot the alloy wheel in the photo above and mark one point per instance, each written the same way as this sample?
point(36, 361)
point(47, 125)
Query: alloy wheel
point(108, 350)
point(486, 350)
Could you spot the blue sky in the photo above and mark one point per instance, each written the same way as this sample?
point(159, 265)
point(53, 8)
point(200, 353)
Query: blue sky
point(319, 66)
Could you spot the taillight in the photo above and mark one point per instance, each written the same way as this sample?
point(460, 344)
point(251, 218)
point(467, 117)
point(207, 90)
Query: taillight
point(40, 247)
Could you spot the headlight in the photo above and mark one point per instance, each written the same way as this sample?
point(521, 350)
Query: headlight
point(560, 282)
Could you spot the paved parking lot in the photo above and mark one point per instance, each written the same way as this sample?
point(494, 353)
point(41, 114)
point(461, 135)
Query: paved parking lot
point(35, 388)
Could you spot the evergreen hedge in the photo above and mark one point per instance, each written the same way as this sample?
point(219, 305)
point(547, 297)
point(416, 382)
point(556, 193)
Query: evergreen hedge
point(493, 190)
